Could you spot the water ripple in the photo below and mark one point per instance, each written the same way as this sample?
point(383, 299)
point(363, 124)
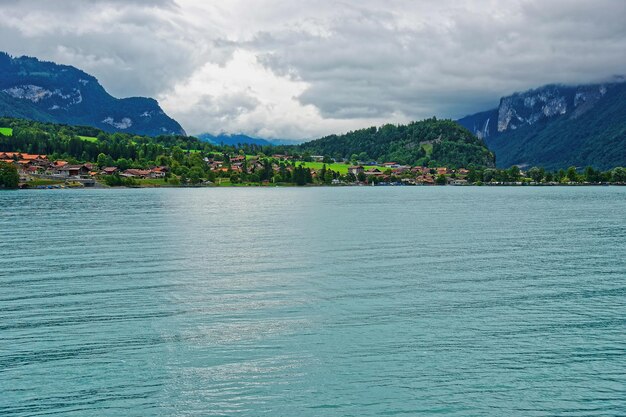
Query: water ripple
point(320, 301)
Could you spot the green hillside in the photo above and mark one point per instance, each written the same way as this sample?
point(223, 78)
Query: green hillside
point(88, 138)
point(85, 143)
point(431, 141)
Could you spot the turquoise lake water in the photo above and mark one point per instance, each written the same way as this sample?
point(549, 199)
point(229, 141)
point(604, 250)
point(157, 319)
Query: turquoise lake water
point(454, 301)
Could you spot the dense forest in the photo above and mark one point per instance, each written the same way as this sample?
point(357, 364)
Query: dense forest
point(429, 142)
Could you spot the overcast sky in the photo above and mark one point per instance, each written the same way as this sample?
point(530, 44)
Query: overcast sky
point(301, 69)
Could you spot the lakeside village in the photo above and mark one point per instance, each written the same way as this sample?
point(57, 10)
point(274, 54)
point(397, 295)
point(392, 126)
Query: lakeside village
point(40, 171)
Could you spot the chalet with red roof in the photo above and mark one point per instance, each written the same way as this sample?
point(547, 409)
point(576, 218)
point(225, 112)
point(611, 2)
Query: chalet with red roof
point(109, 170)
point(136, 173)
point(158, 172)
point(73, 170)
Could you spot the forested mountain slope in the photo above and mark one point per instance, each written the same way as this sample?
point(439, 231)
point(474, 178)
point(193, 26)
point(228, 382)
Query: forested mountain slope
point(442, 142)
point(47, 92)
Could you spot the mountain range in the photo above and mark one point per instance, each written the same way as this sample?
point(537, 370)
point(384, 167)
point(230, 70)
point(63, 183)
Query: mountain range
point(241, 139)
point(48, 92)
point(233, 139)
point(556, 126)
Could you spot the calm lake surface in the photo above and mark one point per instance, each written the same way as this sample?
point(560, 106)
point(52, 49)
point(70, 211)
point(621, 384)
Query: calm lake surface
point(313, 302)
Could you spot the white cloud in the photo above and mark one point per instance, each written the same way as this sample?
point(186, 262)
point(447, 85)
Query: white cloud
point(297, 69)
point(243, 96)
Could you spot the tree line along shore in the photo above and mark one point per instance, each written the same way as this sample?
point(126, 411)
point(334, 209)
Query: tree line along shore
point(23, 170)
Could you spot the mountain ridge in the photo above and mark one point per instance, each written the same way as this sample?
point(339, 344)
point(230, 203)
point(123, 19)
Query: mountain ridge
point(233, 139)
point(556, 126)
point(50, 92)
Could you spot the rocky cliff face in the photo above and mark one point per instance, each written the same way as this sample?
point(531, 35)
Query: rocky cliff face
point(532, 106)
point(529, 107)
point(557, 126)
point(45, 91)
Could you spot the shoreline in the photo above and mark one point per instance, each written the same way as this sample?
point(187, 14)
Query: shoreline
point(104, 187)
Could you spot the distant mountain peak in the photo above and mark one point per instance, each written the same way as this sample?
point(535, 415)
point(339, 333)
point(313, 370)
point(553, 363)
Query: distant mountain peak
point(46, 91)
point(234, 139)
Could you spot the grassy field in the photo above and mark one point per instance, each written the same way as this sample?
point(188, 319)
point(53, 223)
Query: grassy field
point(428, 147)
point(88, 138)
point(340, 168)
point(6, 131)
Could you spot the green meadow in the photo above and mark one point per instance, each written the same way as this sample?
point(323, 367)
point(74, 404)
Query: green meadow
point(340, 168)
point(88, 138)
point(6, 131)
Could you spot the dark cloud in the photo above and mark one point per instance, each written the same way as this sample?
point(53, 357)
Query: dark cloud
point(370, 65)
point(132, 47)
point(335, 65)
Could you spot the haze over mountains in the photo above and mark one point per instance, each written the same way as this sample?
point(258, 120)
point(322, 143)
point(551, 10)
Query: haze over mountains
point(241, 139)
point(49, 92)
